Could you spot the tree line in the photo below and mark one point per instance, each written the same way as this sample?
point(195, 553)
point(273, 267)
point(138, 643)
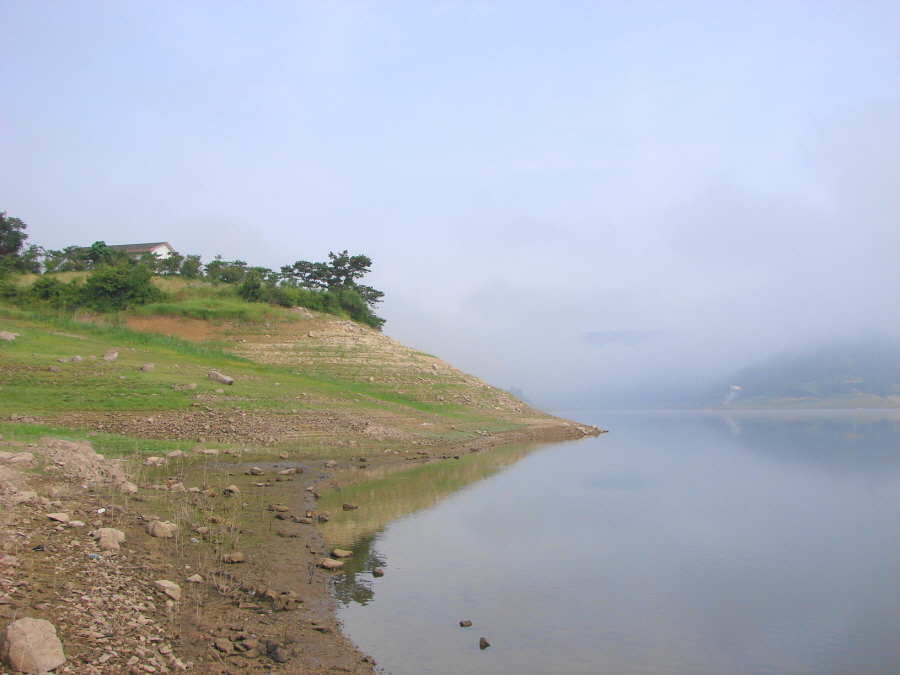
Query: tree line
point(118, 281)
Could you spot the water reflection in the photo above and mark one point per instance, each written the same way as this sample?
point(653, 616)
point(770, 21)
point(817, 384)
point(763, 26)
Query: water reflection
point(863, 441)
point(387, 492)
point(675, 545)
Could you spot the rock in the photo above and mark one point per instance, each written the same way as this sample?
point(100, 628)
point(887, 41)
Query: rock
point(330, 464)
point(77, 359)
point(31, 646)
point(280, 655)
point(155, 461)
point(255, 471)
point(75, 523)
point(54, 369)
point(22, 458)
point(110, 355)
point(287, 472)
point(216, 376)
point(350, 507)
point(281, 508)
point(341, 553)
point(232, 490)
point(59, 517)
point(232, 558)
point(465, 624)
point(170, 588)
point(147, 368)
point(284, 455)
point(6, 335)
point(206, 451)
point(195, 579)
point(190, 385)
point(377, 572)
point(108, 538)
point(24, 496)
point(161, 529)
point(176, 454)
point(127, 487)
point(223, 645)
point(305, 521)
point(329, 564)
point(483, 644)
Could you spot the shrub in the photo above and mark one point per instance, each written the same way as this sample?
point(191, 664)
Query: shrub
point(53, 292)
point(119, 287)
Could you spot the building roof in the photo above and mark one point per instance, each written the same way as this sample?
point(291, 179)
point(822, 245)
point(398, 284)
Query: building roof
point(139, 248)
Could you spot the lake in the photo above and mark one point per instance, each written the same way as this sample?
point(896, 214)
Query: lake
point(677, 544)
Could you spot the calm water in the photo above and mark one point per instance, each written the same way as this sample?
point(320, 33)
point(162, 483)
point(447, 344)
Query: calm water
point(676, 544)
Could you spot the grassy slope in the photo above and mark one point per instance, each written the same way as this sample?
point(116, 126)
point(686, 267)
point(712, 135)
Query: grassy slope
point(393, 387)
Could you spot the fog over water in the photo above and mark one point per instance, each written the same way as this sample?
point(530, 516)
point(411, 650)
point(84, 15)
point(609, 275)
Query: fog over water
point(592, 202)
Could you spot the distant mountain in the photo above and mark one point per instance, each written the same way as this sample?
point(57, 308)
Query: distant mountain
point(859, 374)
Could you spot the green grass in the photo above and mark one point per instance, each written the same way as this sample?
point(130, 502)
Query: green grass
point(28, 387)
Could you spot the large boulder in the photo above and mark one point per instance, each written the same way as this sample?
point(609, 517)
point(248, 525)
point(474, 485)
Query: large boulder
point(161, 529)
point(216, 376)
point(6, 335)
point(31, 646)
point(108, 538)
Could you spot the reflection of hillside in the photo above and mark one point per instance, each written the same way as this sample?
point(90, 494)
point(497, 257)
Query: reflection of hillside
point(385, 493)
point(865, 441)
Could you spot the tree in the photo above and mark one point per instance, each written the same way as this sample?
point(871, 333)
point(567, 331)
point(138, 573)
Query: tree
point(99, 254)
point(12, 239)
point(170, 265)
point(345, 269)
point(69, 259)
point(192, 268)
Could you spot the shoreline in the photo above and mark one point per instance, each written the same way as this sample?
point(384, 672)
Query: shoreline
point(273, 610)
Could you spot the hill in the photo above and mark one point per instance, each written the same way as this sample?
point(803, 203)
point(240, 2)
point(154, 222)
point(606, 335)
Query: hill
point(307, 381)
point(844, 375)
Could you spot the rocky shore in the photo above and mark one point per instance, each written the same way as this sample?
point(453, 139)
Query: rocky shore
point(201, 562)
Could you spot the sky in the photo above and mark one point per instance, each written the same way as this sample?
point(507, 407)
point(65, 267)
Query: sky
point(594, 203)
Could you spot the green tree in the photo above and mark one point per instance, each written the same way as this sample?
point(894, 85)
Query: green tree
point(170, 265)
point(191, 268)
point(251, 288)
point(12, 239)
point(99, 254)
point(69, 259)
point(117, 287)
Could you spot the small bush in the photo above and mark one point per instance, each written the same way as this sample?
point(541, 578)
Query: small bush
point(53, 292)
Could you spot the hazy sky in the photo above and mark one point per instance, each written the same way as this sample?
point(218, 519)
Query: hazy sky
point(580, 199)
